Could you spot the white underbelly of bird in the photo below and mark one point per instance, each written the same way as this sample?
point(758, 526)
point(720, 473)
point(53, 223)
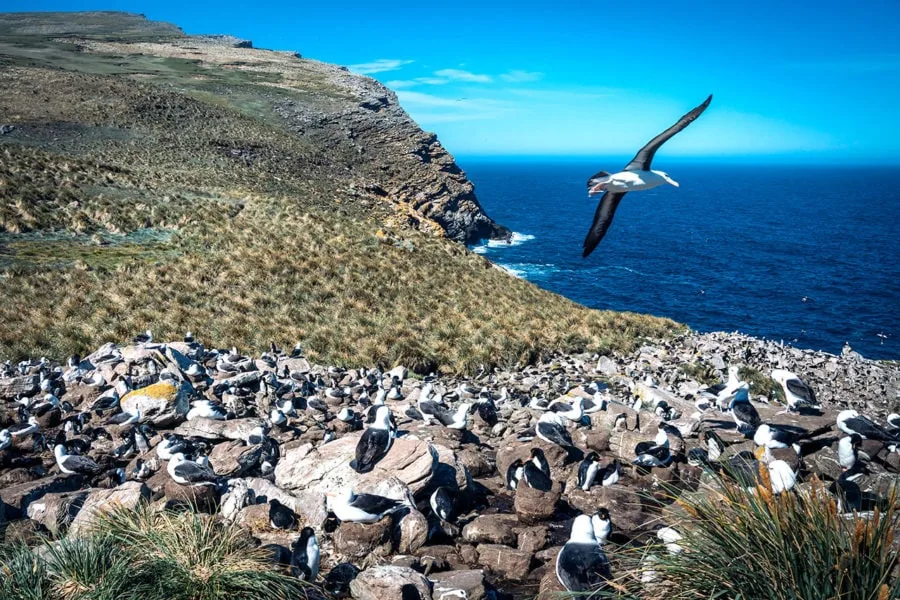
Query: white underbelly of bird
point(632, 181)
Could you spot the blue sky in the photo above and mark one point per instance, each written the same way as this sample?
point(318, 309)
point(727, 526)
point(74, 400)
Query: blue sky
point(805, 81)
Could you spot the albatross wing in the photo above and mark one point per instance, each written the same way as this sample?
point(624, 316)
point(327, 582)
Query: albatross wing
point(642, 160)
point(602, 220)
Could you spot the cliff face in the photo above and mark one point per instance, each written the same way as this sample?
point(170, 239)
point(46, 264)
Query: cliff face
point(390, 154)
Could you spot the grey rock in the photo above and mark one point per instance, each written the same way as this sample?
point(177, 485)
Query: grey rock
point(383, 582)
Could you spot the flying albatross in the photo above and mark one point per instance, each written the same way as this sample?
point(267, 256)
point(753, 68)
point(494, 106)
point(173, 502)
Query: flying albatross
point(634, 177)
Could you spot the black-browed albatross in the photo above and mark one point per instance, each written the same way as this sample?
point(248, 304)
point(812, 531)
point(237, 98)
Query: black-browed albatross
point(634, 177)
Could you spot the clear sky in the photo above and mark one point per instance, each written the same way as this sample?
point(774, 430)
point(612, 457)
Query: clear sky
point(807, 81)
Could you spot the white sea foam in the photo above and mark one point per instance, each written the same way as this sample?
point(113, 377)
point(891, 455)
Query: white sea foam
point(514, 240)
point(528, 270)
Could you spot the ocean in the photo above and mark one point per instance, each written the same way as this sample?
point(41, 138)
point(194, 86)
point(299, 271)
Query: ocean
point(807, 255)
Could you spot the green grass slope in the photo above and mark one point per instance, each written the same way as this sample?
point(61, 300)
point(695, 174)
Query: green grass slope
point(152, 180)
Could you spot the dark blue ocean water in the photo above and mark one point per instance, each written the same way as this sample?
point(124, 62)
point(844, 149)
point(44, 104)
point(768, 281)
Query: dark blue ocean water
point(734, 248)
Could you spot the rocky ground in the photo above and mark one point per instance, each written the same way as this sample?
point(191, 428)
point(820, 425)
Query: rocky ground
point(502, 544)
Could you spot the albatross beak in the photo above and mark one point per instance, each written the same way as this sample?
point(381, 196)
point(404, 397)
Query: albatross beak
point(600, 187)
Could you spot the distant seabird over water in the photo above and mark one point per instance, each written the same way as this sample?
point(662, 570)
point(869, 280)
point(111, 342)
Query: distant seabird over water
point(636, 176)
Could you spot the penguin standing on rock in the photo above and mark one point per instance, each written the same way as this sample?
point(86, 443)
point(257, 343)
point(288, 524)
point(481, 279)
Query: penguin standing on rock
point(280, 516)
point(305, 556)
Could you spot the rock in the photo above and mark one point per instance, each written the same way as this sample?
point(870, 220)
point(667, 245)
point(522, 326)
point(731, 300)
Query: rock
point(358, 540)
point(593, 439)
point(384, 582)
point(450, 583)
point(505, 561)
point(606, 366)
point(477, 462)
point(556, 456)
point(254, 518)
point(311, 473)
point(55, 511)
point(22, 531)
point(264, 490)
point(26, 385)
point(413, 532)
point(550, 587)
point(128, 495)
point(204, 497)
point(491, 529)
point(162, 403)
point(532, 539)
point(18, 497)
point(233, 458)
point(534, 505)
point(212, 429)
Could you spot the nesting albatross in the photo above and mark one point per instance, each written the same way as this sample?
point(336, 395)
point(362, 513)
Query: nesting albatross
point(636, 176)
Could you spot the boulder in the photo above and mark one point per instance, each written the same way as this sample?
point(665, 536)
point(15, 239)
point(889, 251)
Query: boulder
point(26, 385)
point(18, 497)
point(388, 581)
point(213, 429)
point(233, 458)
point(413, 530)
point(356, 541)
point(534, 505)
point(449, 584)
point(550, 587)
point(532, 539)
point(311, 473)
point(491, 529)
point(127, 495)
point(162, 403)
point(264, 490)
point(55, 511)
point(204, 497)
point(254, 518)
point(505, 561)
point(556, 456)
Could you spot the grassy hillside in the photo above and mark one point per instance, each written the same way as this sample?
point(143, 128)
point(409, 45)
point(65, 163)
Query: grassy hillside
point(153, 180)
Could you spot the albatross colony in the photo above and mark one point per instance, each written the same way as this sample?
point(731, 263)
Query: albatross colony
point(336, 469)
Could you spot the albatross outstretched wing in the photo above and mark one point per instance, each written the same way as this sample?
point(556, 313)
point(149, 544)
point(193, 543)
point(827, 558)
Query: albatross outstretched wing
point(642, 160)
point(602, 219)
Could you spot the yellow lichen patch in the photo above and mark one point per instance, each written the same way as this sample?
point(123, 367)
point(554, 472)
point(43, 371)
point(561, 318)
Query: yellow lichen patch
point(162, 390)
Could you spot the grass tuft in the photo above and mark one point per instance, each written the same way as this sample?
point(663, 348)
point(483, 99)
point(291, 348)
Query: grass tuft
point(145, 555)
point(761, 546)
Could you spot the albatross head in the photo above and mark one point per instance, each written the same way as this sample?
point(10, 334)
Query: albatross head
point(666, 178)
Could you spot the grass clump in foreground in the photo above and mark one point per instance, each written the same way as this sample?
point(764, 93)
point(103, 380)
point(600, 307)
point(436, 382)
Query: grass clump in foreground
point(760, 546)
point(145, 555)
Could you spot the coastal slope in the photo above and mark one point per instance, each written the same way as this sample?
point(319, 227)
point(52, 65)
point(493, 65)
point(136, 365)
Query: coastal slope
point(150, 179)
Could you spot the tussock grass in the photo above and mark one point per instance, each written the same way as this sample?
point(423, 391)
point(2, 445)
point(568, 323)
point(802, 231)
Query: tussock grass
point(147, 555)
point(742, 545)
point(271, 234)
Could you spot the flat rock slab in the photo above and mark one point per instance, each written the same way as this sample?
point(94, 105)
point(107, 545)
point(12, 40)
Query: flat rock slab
point(127, 495)
point(449, 584)
point(212, 429)
point(505, 561)
point(18, 497)
point(384, 582)
point(311, 473)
